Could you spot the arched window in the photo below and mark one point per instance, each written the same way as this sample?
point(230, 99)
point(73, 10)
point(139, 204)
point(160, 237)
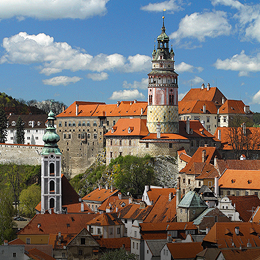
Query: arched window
point(52, 189)
point(51, 203)
point(51, 168)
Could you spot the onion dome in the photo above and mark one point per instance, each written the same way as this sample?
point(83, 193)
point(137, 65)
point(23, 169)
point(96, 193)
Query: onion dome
point(50, 138)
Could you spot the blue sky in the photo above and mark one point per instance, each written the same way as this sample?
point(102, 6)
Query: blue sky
point(100, 50)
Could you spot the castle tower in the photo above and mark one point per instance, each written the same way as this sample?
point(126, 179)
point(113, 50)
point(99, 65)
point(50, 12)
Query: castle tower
point(163, 88)
point(51, 198)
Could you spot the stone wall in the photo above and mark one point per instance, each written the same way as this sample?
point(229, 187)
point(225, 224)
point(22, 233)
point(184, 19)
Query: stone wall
point(20, 154)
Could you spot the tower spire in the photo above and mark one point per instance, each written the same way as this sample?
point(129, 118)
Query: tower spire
point(163, 27)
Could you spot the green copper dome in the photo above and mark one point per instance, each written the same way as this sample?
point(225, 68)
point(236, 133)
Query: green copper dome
point(50, 138)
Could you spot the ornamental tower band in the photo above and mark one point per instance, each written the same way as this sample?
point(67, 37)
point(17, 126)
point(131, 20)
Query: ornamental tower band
point(163, 88)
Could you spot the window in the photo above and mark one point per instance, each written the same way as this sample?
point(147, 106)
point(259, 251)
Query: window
point(133, 245)
point(69, 136)
point(14, 254)
point(120, 142)
point(147, 145)
point(11, 138)
point(150, 99)
point(111, 142)
point(110, 231)
point(80, 252)
point(120, 153)
point(135, 233)
point(28, 240)
point(60, 124)
point(51, 168)
point(28, 138)
point(183, 180)
point(170, 145)
point(224, 119)
point(188, 181)
point(73, 124)
point(82, 241)
point(171, 99)
point(91, 229)
point(63, 255)
point(99, 231)
point(88, 135)
point(137, 246)
point(130, 142)
point(107, 123)
point(79, 123)
point(95, 136)
point(246, 193)
point(95, 123)
point(118, 230)
point(28, 131)
point(256, 193)
point(83, 123)
point(114, 122)
point(69, 123)
point(111, 154)
point(65, 123)
point(208, 119)
point(237, 193)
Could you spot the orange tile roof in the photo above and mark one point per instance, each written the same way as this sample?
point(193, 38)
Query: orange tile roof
point(240, 179)
point(99, 195)
point(164, 137)
point(105, 219)
point(196, 107)
point(133, 211)
point(228, 133)
point(213, 94)
point(163, 210)
point(16, 241)
point(114, 243)
point(55, 223)
point(233, 107)
point(244, 205)
point(129, 127)
point(155, 193)
point(238, 254)
point(183, 155)
point(37, 254)
point(57, 243)
point(223, 234)
point(113, 202)
point(256, 215)
point(208, 172)
point(167, 226)
point(184, 250)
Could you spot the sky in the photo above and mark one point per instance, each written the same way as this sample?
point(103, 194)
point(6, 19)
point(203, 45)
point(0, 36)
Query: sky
point(100, 50)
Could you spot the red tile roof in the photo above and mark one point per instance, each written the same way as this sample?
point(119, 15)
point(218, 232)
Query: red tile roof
point(223, 234)
point(59, 243)
point(183, 155)
point(164, 137)
point(240, 179)
point(233, 107)
point(184, 250)
point(167, 226)
point(208, 172)
point(105, 219)
point(244, 205)
point(238, 254)
point(129, 127)
point(16, 241)
point(154, 193)
point(37, 254)
point(113, 243)
point(134, 211)
point(113, 203)
point(99, 195)
point(196, 107)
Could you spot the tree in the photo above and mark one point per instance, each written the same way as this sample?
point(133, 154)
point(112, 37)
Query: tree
point(19, 131)
point(121, 254)
point(6, 217)
point(3, 126)
point(29, 199)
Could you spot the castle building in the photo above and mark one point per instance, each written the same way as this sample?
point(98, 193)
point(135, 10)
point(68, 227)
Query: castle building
point(51, 192)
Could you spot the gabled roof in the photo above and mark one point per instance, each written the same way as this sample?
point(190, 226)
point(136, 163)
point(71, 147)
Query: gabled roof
point(244, 205)
point(223, 234)
point(156, 246)
point(58, 242)
point(192, 200)
point(105, 219)
point(208, 172)
point(113, 243)
point(183, 155)
point(55, 223)
point(99, 195)
point(129, 127)
point(30, 121)
point(113, 203)
point(184, 250)
point(233, 107)
point(155, 192)
point(240, 179)
point(135, 212)
point(164, 137)
point(196, 107)
point(213, 94)
point(16, 241)
point(37, 254)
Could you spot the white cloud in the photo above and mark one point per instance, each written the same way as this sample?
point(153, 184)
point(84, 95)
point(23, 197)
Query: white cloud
point(52, 9)
point(233, 3)
point(127, 95)
point(55, 57)
point(210, 24)
point(256, 98)
point(61, 80)
point(140, 85)
point(184, 67)
point(240, 62)
point(159, 7)
point(196, 80)
point(181, 96)
point(98, 76)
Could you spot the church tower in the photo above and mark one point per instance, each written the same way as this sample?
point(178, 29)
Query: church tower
point(163, 88)
point(51, 197)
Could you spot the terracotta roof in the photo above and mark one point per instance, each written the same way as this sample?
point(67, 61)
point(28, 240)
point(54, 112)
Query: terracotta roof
point(129, 127)
point(233, 107)
point(59, 242)
point(105, 219)
point(240, 179)
point(238, 254)
point(208, 172)
point(228, 135)
point(154, 193)
point(16, 241)
point(196, 107)
point(203, 153)
point(99, 195)
point(165, 137)
point(39, 121)
point(37, 254)
point(163, 210)
point(113, 243)
point(167, 226)
point(213, 94)
point(244, 205)
point(223, 234)
point(133, 211)
point(256, 215)
point(55, 223)
point(184, 250)
point(183, 155)
point(113, 203)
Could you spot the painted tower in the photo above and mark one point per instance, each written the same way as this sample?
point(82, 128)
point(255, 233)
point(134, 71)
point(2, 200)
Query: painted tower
point(163, 88)
point(51, 197)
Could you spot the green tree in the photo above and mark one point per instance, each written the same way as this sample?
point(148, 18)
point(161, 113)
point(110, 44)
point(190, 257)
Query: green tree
point(19, 131)
point(121, 254)
point(29, 199)
point(6, 216)
point(3, 126)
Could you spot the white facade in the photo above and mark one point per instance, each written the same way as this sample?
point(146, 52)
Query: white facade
point(226, 207)
point(165, 253)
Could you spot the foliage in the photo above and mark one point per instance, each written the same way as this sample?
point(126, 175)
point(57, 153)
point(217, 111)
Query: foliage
point(3, 126)
point(238, 120)
point(29, 199)
point(121, 254)
point(19, 131)
point(6, 214)
point(256, 119)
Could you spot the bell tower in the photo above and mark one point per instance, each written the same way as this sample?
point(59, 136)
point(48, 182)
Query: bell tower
point(163, 88)
point(51, 192)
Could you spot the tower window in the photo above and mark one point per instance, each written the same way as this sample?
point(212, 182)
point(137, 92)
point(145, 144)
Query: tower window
point(150, 99)
point(51, 168)
point(51, 203)
point(171, 99)
point(51, 186)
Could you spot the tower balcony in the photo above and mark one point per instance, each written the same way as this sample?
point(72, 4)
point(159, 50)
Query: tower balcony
point(160, 85)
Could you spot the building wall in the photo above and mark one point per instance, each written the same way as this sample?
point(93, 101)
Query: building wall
point(238, 192)
point(35, 239)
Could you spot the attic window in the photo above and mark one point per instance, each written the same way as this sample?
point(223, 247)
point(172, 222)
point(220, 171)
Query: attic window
point(13, 123)
point(130, 129)
point(232, 108)
point(38, 123)
point(249, 181)
point(113, 129)
point(233, 180)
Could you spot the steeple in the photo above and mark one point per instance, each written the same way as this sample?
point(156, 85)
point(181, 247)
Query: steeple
point(51, 197)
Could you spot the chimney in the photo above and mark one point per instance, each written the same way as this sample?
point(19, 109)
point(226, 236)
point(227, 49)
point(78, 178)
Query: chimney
point(82, 206)
point(203, 123)
point(170, 196)
point(188, 126)
point(246, 109)
point(216, 186)
point(204, 109)
point(131, 103)
point(215, 161)
point(202, 86)
point(63, 108)
point(135, 101)
point(112, 189)
point(237, 230)
point(119, 195)
point(223, 100)
point(203, 155)
point(106, 186)
point(158, 130)
point(39, 225)
point(77, 109)
point(208, 87)
point(117, 103)
point(130, 200)
point(142, 111)
point(219, 134)
point(207, 230)
point(243, 128)
point(178, 192)
point(5, 242)
point(33, 123)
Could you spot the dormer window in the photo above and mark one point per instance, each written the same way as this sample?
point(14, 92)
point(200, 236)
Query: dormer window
point(130, 129)
point(13, 123)
point(113, 129)
point(38, 123)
